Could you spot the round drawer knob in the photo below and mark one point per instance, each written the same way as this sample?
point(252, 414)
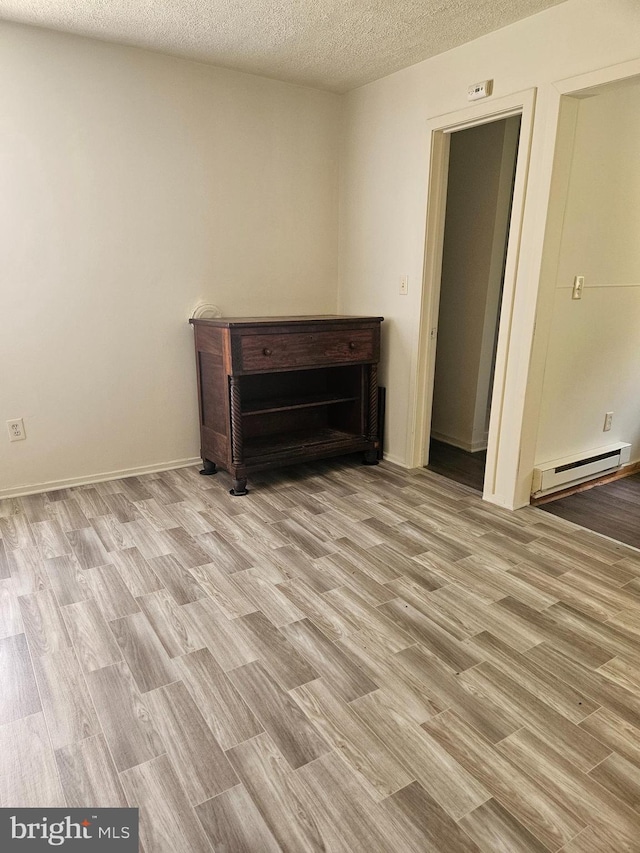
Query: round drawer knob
point(352, 344)
point(266, 351)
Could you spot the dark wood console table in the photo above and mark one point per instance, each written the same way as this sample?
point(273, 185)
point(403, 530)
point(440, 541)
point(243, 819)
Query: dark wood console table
point(277, 390)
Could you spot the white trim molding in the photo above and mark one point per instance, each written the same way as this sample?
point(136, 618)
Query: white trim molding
point(539, 309)
point(54, 485)
point(516, 324)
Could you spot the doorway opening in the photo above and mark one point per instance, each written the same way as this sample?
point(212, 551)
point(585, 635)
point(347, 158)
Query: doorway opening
point(594, 212)
point(479, 200)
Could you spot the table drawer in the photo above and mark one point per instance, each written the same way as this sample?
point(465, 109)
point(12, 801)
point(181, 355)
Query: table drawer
point(300, 349)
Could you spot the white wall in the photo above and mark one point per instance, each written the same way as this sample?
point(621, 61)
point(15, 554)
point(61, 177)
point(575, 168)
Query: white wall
point(480, 180)
point(386, 161)
point(131, 186)
point(593, 357)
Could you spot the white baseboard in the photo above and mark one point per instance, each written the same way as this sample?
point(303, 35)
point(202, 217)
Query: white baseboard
point(472, 447)
point(395, 460)
point(53, 485)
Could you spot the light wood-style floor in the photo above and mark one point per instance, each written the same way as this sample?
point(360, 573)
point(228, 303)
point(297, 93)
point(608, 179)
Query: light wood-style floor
point(349, 659)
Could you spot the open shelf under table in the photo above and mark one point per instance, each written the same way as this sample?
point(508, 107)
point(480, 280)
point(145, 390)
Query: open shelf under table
point(298, 442)
point(284, 404)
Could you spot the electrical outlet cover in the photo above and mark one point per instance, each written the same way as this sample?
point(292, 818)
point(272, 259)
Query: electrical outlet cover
point(16, 430)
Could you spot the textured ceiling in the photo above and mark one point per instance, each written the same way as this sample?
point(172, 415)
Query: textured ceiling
point(330, 44)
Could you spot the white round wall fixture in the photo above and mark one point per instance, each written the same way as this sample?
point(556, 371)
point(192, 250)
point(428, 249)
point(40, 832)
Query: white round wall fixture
point(205, 311)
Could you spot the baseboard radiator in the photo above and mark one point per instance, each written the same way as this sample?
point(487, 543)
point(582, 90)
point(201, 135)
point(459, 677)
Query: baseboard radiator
point(572, 470)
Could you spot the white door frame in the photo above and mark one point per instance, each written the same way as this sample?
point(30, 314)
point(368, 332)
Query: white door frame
point(538, 308)
point(502, 426)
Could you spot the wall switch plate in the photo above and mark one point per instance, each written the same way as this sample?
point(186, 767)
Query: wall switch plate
point(480, 90)
point(404, 285)
point(578, 286)
point(608, 418)
point(16, 430)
